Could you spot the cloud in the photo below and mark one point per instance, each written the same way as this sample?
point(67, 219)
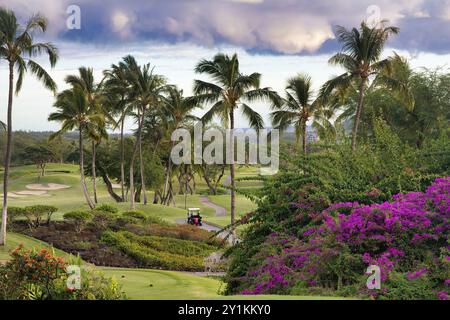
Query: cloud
point(258, 26)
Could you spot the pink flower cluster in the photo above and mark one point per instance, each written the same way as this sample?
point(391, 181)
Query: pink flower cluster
point(379, 234)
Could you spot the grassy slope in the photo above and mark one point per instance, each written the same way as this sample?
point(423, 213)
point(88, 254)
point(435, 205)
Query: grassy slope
point(14, 240)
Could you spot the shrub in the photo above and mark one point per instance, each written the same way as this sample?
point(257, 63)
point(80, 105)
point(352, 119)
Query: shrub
point(107, 208)
point(35, 214)
point(79, 219)
point(101, 220)
point(31, 271)
point(406, 237)
point(137, 215)
point(14, 213)
point(399, 287)
point(82, 245)
point(39, 275)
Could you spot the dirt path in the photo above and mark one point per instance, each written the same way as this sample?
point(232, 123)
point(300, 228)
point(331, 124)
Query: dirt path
point(220, 211)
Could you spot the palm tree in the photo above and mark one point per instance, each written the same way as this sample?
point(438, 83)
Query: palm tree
point(229, 91)
point(297, 108)
point(96, 135)
point(116, 90)
point(18, 48)
point(146, 89)
point(360, 57)
point(74, 112)
point(177, 114)
point(85, 81)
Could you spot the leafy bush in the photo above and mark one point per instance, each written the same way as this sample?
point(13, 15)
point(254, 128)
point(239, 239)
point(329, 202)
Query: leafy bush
point(14, 213)
point(39, 275)
point(406, 237)
point(290, 202)
point(157, 252)
point(101, 220)
point(79, 219)
point(137, 215)
point(107, 208)
point(35, 214)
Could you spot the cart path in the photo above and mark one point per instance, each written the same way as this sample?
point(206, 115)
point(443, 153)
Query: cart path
point(220, 211)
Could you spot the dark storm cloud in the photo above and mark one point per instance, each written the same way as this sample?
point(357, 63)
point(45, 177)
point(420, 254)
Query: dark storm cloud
point(259, 26)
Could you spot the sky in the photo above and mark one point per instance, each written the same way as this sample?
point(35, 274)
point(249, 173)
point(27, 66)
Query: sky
point(277, 38)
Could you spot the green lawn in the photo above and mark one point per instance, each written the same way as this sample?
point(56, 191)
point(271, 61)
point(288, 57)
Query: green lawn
point(139, 284)
point(72, 198)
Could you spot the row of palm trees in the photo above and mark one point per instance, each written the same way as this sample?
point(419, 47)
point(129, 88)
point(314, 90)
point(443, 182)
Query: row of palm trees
point(132, 90)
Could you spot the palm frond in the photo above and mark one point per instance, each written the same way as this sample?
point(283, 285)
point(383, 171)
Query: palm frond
point(254, 118)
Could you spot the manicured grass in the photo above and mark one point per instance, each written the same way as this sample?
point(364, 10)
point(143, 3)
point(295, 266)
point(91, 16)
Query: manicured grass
point(14, 240)
point(139, 284)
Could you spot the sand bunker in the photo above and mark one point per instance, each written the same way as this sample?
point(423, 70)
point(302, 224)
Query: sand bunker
point(31, 193)
point(116, 186)
point(14, 195)
point(48, 187)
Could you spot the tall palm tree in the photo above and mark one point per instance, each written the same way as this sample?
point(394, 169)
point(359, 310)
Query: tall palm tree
point(74, 113)
point(177, 114)
point(229, 90)
point(146, 89)
point(116, 90)
point(298, 107)
point(96, 134)
point(361, 58)
point(18, 48)
point(93, 91)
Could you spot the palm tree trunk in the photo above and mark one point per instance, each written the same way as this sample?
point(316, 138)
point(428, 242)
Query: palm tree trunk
point(122, 160)
point(232, 176)
point(94, 173)
point(133, 159)
point(168, 177)
point(304, 136)
point(141, 161)
point(7, 161)
point(83, 181)
point(358, 112)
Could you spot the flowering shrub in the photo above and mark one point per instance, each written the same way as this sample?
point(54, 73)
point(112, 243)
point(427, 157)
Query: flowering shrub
point(407, 236)
point(39, 275)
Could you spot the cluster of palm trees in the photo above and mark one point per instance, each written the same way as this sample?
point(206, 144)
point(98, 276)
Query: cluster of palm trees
point(128, 89)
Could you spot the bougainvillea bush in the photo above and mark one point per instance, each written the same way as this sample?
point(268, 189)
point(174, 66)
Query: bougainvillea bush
point(407, 237)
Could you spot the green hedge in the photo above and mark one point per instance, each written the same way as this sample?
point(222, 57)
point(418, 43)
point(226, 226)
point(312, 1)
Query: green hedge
point(157, 252)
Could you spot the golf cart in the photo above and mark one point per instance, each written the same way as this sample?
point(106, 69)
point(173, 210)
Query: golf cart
point(193, 217)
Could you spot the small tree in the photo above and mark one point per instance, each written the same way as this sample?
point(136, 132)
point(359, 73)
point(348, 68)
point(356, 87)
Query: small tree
point(40, 155)
point(35, 214)
point(79, 219)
